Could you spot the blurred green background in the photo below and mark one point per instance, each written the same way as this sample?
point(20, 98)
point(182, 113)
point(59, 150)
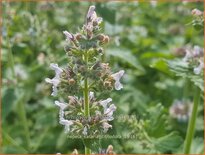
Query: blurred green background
point(142, 34)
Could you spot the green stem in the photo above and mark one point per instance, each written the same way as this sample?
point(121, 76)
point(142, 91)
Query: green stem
point(23, 117)
point(186, 89)
point(86, 105)
point(192, 123)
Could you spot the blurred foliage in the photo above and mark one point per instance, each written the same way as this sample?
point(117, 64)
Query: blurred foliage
point(142, 36)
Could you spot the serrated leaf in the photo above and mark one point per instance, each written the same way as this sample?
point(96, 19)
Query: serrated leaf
point(127, 56)
point(170, 142)
point(182, 69)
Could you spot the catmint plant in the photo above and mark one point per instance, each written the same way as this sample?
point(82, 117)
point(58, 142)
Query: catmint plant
point(80, 112)
point(191, 68)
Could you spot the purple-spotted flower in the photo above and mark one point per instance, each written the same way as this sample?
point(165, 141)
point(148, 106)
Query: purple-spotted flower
point(117, 76)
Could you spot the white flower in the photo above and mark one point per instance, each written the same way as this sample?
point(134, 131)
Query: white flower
point(67, 124)
point(199, 69)
point(68, 35)
point(57, 69)
point(85, 131)
point(56, 80)
point(106, 126)
point(92, 17)
point(61, 105)
point(91, 95)
point(188, 55)
point(104, 103)
point(117, 76)
point(109, 112)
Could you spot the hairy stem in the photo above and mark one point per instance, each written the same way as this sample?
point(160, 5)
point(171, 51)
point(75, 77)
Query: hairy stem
point(192, 122)
point(86, 105)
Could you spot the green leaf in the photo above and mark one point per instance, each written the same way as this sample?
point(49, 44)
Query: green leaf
point(127, 56)
point(9, 97)
point(170, 142)
point(160, 65)
point(182, 69)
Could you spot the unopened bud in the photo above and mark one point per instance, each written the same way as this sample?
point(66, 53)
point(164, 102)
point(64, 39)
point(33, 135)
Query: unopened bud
point(78, 36)
point(101, 37)
point(82, 68)
point(107, 84)
point(99, 74)
point(71, 81)
point(106, 40)
point(109, 150)
point(72, 100)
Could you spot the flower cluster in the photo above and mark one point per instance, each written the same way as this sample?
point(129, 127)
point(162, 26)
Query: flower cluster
point(195, 58)
point(181, 110)
point(198, 21)
point(85, 74)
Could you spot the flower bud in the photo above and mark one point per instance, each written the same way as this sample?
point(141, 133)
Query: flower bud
point(106, 40)
point(71, 81)
point(107, 84)
point(82, 68)
point(101, 37)
point(72, 100)
point(78, 36)
point(110, 150)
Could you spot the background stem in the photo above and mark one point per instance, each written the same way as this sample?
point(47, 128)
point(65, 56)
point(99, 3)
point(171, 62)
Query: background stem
point(192, 122)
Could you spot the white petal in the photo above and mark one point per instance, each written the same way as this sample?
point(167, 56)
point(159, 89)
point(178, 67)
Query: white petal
point(187, 56)
point(55, 91)
point(106, 126)
point(61, 105)
point(48, 80)
point(91, 11)
point(67, 124)
point(57, 69)
point(91, 95)
point(117, 76)
point(105, 102)
point(199, 69)
point(68, 35)
point(109, 111)
point(85, 131)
